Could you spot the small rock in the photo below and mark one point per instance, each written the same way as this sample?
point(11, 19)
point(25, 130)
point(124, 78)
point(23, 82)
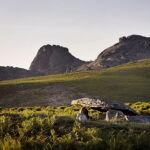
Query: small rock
point(114, 115)
point(83, 115)
point(122, 39)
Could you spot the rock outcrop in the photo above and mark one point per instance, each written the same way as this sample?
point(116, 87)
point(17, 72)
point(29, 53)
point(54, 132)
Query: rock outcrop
point(129, 49)
point(54, 60)
point(7, 73)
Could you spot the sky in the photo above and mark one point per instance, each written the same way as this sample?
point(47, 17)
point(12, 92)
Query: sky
point(86, 27)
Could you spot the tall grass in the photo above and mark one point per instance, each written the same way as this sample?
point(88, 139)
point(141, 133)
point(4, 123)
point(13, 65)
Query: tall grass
point(49, 128)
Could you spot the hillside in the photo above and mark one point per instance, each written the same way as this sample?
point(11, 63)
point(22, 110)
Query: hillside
point(127, 83)
point(7, 73)
point(128, 49)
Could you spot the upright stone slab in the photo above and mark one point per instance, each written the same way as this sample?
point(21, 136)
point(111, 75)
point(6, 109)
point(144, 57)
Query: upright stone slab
point(114, 115)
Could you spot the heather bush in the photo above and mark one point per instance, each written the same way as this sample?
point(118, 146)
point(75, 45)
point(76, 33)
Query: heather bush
point(49, 128)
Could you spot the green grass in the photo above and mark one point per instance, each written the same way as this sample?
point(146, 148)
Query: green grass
point(125, 83)
point(55, 128)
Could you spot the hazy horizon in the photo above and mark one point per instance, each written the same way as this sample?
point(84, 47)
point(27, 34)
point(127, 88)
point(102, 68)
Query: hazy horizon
point(85, 27)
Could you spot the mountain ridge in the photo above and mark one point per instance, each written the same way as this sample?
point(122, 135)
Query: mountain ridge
point(55, 59)
point(128, 49)
point(9, 72)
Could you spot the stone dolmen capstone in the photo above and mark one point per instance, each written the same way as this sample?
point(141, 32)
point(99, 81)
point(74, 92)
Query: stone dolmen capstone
point(103, 105)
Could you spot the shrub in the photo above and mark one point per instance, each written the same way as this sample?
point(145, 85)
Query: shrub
point(63, 125)
point(43, 130)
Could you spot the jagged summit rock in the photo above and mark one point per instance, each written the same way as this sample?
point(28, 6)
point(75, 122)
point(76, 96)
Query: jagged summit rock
point(54, 59)
point(128, 49)
point(132, 38)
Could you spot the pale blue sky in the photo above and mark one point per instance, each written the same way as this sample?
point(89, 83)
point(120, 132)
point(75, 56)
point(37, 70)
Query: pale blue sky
point(86, 27)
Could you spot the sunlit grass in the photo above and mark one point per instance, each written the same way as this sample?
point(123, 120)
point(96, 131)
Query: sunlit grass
point(55, 128)
point(126, 83)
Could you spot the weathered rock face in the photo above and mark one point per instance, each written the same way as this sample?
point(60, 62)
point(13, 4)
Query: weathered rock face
point(114, 115)
point(83, 115)
point(103, 105)
point(7, 73)
point(54, 60)
point(129, 49)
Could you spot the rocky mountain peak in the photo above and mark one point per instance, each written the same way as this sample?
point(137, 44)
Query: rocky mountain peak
point(49, 47)
point(132, 38)
point(54, 59)
point(128, 49)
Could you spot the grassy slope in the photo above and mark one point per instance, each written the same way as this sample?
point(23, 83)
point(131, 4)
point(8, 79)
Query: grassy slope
point(126, 83)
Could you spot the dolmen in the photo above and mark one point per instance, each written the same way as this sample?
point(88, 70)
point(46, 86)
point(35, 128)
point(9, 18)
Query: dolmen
point(103, 105)
point(114, 110)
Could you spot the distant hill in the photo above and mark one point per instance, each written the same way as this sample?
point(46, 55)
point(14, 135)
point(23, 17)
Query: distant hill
point(54, 60)
point(7, 73)
point(129, 49)
point(126, 83)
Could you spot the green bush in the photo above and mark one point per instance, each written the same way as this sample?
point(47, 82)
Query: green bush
point(57, 129)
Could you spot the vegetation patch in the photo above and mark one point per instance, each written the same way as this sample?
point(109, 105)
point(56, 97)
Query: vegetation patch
point(56, 128)
point(125, 83)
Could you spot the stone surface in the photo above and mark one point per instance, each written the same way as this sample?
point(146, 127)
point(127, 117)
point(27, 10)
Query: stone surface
point(129, 49)
point(114, 115)
point(54, 60)
point(138, 119)
point(103, 105)
point(83, 115)
point(7, 73)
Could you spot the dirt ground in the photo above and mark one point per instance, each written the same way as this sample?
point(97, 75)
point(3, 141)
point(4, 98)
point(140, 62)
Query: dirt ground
point(55, 95)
